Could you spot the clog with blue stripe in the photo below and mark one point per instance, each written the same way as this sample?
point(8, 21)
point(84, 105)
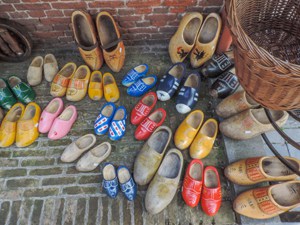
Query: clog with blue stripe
point(135, 74)
point(142, 86)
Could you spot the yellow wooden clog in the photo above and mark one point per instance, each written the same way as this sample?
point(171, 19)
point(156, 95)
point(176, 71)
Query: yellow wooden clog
point(204, 140)
point(27, 127)
point(111, 90)
point(9, 125)
point(95, 90)
point(188, 129)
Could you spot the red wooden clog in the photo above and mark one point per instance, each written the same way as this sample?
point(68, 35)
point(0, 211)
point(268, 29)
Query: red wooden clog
point(192, 183)
point(143, 108)
point(211, 193)
point(149, 125)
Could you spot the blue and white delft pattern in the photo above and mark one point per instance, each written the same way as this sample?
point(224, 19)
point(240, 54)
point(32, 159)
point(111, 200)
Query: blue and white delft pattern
point(102, 122)
point(118, 127)
point(111, 187)
point(128, 188)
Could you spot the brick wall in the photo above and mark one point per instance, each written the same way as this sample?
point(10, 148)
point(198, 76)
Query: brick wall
point(140, 21)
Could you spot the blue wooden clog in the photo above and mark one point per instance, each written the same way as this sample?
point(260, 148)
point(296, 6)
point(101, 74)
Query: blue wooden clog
point(110, 181)
point(188, 94)
point(127, 184)
point(142, 86)
point(118, 125)
point(169, 83)
point(104, 118)
point(135, 74)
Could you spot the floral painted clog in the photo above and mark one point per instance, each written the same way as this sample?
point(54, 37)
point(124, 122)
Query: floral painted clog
point(22, 91)
point(127, 184)
point(52, 110)
point(141, 86)
point(7, 99)
point(118, 125)
point(110, 181)
point(110, 87)
point(143, 108)
point(95, 89)
point(135, 74)
point(149, 125)
point(63, 124)
point(170, 82)
point(104, 118)
point(188, 94)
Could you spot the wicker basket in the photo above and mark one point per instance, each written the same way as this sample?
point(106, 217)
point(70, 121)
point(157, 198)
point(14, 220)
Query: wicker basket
point(266, 35)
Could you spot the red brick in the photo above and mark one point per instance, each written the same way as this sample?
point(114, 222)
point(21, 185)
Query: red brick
point(166, 17)
point(161, 10)
point(94, 12)
point(27, 21)
point(101, 4)
point(61, 27)
point(68, 12)
point(180, 2)
point(158, 23)
point(143, 10)
point(11, 1)
point(143, 30)
point(69, 5)
point(66, 39)
point(128, 18)
point(30, 1)
point(4, 15)
point(36, 13)
point(125, 12)
point(48, 34)
point(17, 15)
point(142, 3)
point(143, 23)
point(161, 36)
point(167, 29)
point(127, 24)
point(177, 9)
point(54, 13)
point(6, 8)
point(41, 27)
point(55, 21)
point(37, 6)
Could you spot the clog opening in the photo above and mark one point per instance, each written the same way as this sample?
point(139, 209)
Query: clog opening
point(123, 175)
point(96, 77)
point(107, 32)
point(67, 71)
point(196, 171)
point(177, 71)
point(108, 79)
point(13, 81)
point(209, 30)
point(2, 84)
point(37, 62)
point(170, 166)
point(274, 167)
point(286, 194)
point(261, 115)
point(120, 114)
point(29, 112)
point(53, 107)
point(156, 116)
point(107, 111)
point(210, 179)
point(191, 30)
point(66, 114)
point(84, 142)
point(100, 150)
point(149, 80)
point(83, 31)
point(140, 68)
point(192, 81)
point(149, 100)
point(159, 140)
point(195, 119)
point(109, 172)
point(209, 129)
point(81, 72)
point(250, 100)
point(15, 114)
point(49, 58)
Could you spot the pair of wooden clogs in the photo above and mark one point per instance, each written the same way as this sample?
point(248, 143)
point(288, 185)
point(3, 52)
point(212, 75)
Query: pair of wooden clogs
point(113, 50)
point(195, 37)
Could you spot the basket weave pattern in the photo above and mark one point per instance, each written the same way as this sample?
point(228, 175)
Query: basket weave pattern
point(266, 35)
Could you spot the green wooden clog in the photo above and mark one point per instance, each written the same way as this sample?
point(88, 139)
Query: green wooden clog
point(22, 91)
point(7, 99)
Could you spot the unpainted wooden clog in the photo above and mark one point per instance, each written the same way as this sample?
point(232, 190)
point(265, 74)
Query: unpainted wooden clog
point(35, 71)
point(50, 67)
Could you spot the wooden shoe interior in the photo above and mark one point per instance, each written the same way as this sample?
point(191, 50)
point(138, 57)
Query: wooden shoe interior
point(53, 107)
point(106, 31)
point(15, 114)
point(210, 179)
point(84, 141)
point(274, 167)
point(192, 81)
point(196, 171)
point(149, 100)
point(109, 172)
point(191, 30)
point(100, 150)
point(67, 114)
point(67, 71)
point(170, 166)
point(107, 111)
point(195, 120)
point(83, 31)
point(287, 194)
point(123, 175)
point(208, 30)
point(159, 140)
point(177, 71)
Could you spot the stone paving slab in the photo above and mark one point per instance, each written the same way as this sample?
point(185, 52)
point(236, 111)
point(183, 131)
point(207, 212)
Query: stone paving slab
point(37, 188)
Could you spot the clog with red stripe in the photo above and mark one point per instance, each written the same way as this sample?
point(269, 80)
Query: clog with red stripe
point(118, 125)
point(104, 118)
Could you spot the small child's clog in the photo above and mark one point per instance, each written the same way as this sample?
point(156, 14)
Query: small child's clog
point(141, 86)
point(95, 90)
point(111, 90)
point(110, 181)
point(118, 125)
point(127, 184)
point(135, 74)
point(104, 118)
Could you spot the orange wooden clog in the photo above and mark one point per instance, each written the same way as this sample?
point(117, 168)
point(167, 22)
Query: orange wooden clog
point(95, 89)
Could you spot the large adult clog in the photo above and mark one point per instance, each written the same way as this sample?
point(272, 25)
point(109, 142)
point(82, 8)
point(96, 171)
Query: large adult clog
point(27, 126)
point(207, 40)
point(211, 197)
point(270, 201)
point(8, 127)
point(111, 41)
point(110, 181)
point(192, 183)
point(61, 80)
point(135, 74)
point(184, 39)
point(251, 123)
point(204, 140)
point(141, 86)
point(7, 99)
point(50, 67)
point(86, 39)
point(21, 90)
point(148, 125)
point(95, 89)
point(63, 124)
point(143, 108)
point(255, 170)
point(110, 87)
point(163, 187)
point(151, 155)
point(188, 94)
point(117, 127)
point(234, 104)
point(78, 85)
point(52, 110)
point(127, 184)
point(188, 129)
point(170, 82)
point(103, 120)
point(35, 71)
